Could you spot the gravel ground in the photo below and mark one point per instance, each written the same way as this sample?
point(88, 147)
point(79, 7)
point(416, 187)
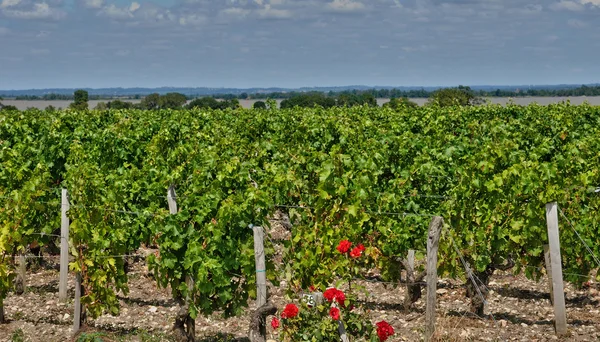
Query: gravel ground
point(518, 310)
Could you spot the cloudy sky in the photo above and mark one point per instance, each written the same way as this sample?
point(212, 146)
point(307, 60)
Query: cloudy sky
point(294, 43)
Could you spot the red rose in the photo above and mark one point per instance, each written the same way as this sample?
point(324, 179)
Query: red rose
point(361, 247)
point(344, 246)
point(356, 252)
point(290, 311)
point(340, 298)
point(384, 330)
point(275, 323)
point(333, 293)
point(334, 313)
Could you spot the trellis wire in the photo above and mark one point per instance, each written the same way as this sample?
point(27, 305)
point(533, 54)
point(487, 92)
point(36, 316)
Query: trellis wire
point(471, 275)
point(580, 238)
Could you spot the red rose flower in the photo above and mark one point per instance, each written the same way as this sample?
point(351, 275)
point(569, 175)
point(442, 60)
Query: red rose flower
point(361, 247)
point(290, 311)
point(344, 246)
point(384, 330)
point(340, 298)
point(333, 293)
point(275, 323)
point(334, 313)
point(356, 252)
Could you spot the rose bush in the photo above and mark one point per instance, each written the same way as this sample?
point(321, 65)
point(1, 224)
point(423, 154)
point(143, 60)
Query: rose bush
point(322, 322)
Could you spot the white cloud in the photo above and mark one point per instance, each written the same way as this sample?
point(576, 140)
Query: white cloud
point(134, 7)
point(192, 20)
point(275, 13)
point(119, 13)
point(574, 5)
point(152, 14)
point(346, 5)
point(93, 3)
point(595, 3)
point(236, 12)
point(42, 34)
point(9, 3)
point(39, 11)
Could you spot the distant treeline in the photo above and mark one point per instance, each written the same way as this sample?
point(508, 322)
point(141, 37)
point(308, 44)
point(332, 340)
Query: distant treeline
point(54, 97)
point(348, 94)
point(422, 93)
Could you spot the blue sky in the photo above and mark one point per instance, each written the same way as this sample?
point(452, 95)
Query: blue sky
point(294, 43)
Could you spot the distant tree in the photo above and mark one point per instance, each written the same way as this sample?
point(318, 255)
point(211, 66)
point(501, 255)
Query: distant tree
point(118, 104)
point(9, 108)
point(50, 108)
point(204, 102)
point(243, 96)
point(259, 105)
point(171, 101)
point(233, 103)
point(150, 102)
point(80, 100)
point(398, 103)
point(308, 100)
point(101, 106)
point(461, 96)
point(212, 103)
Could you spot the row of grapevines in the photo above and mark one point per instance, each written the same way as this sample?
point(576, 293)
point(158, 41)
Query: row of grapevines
point(370, 175)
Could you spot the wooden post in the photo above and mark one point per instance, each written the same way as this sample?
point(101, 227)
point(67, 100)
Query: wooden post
point(411, 259)
point(172, 200)
point(259, 259)
point(184, 316)
point(433, 241)
point(413, 290)
point(64, 246)
point(549, 271)
point(78, 308)
point(20, 280)
point(560, 313)
point(342, 331)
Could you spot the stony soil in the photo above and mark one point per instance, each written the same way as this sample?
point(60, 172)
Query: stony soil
point(518, 310)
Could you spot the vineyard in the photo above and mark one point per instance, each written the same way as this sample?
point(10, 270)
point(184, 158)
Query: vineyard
point(369, 179)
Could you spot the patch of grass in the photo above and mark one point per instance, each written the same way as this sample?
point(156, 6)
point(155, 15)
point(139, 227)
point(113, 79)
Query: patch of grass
point(146, 336)
point(92, 337)
point(17, 316)
point(17, 336)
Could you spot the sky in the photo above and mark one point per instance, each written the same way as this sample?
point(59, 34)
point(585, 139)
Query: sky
point(296, 43)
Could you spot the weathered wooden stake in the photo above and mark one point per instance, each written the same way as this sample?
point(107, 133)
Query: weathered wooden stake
point(20, 280)
point(560, 313)
point(433, 242)
point(77, 315)
point(342, 331)
point(411, 259)
point(413, 290)
point(184, 318)
point(549, 271)
point(64, 246)
point(259, 259)
point(172, 200)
